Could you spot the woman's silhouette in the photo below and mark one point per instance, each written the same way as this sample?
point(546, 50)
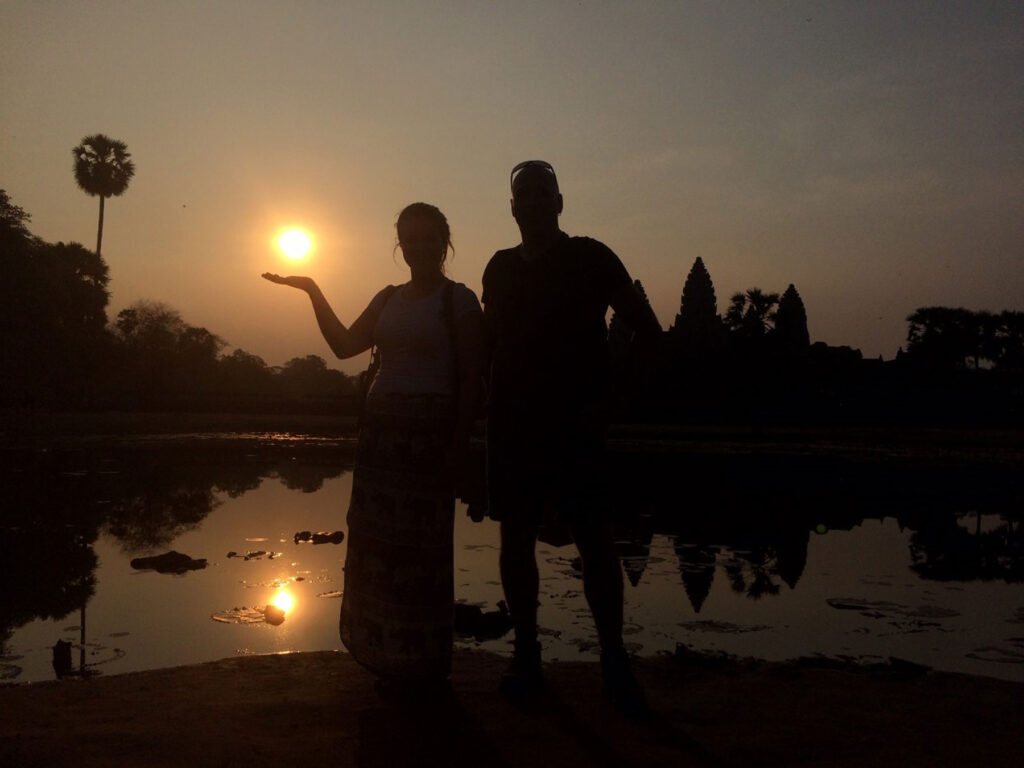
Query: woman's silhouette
point(396, 613)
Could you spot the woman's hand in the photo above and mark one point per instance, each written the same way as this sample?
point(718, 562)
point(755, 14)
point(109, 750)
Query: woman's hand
point(295, 281)
point(337, 336)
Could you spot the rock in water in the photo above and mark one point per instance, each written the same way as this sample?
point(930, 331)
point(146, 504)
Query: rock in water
point(169, 562)
point(273, 615)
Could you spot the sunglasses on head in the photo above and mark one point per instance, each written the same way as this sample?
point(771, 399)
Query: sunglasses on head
point(532, 164)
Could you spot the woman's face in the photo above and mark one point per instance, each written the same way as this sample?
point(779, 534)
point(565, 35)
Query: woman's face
point(422, 244)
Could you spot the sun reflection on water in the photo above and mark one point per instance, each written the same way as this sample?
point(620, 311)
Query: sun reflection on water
point(283, 600)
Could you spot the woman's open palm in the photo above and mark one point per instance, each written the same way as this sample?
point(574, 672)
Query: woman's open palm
point(295, 281)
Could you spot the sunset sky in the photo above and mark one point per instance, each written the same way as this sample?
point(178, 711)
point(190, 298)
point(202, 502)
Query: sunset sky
point(871, 153)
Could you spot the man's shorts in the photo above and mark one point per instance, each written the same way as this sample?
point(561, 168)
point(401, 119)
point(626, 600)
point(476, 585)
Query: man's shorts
point(546, 470)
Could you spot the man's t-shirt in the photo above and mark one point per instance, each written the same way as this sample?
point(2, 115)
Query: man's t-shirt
point(546, 323)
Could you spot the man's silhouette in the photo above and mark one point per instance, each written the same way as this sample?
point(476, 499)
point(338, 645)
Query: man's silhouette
point(545, 303)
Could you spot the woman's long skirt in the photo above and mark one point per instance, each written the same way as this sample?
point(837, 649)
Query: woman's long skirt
point(396, 611)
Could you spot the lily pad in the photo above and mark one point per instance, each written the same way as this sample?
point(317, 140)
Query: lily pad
point(238, 616)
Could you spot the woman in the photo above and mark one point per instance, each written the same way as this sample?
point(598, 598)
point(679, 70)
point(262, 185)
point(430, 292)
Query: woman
point(396, 613)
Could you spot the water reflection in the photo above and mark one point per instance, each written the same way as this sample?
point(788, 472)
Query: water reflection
point(752, 517)
point(738, 521)
point(57, 502)
point(958, 548)
point(276, 611)
point(47, 563)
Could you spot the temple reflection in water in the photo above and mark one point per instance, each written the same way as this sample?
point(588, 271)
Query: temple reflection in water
point(739, 517)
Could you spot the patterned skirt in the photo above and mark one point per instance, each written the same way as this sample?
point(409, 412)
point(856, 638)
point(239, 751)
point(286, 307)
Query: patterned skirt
point(396, 611)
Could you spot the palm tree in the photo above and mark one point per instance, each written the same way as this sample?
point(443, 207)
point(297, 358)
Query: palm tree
point(103, 167)
point(752, 313)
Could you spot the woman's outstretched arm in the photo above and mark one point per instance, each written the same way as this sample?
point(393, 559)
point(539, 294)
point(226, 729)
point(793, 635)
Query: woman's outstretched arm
point(344, 342)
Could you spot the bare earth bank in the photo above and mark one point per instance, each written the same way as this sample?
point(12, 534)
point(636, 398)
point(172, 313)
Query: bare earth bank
point(313, 709)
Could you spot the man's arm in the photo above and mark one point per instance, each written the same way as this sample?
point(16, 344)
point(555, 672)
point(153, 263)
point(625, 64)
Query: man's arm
point(489, 322)
point(634, 310)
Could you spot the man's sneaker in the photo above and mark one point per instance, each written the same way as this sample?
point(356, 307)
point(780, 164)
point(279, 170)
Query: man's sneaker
point(524, 676)
point(619, 683)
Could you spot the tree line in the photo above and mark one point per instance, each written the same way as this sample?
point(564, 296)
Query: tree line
point(752, 363)
point(956, 338)
point(59, 350)
point(755, 364)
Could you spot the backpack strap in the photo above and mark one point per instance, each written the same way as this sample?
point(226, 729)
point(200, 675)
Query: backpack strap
point(366, 377)
point(448, 306)
point(388, 292)
point(448, 318)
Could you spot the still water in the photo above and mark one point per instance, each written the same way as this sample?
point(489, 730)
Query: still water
point(775, 557)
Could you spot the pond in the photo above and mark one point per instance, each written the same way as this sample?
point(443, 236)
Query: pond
point(773, 553)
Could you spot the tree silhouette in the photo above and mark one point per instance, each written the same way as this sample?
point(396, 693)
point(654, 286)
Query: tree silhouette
point(751, 573)
point(163, 357)
point(946, 338)
point(1009, 341)
point(150, 325)
point(70, 330)
point(103, 167)
point(947, 550)
point(198, 351)
point(752, 314)
point(791, 324)
point(987, 327)
point(58, 348)
point(943, 337)
point(309, 377)
point(16, 245)
point(245, 376)
point(76, 284)
point(13, 221)
point(751, 319)
point(52, 314)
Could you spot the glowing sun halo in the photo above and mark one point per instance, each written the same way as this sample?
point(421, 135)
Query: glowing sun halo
point(295, 243)
point(283, 601)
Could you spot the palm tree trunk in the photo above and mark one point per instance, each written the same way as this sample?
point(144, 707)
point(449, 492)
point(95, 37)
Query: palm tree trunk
point(99, 231)
point(81, 644)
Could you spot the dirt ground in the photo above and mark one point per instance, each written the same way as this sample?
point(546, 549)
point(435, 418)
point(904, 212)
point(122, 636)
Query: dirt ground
point(313, 709)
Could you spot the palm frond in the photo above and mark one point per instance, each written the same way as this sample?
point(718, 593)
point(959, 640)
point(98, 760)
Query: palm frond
point(103, 166)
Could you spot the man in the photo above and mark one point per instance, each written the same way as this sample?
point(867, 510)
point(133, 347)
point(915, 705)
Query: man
point(545, 303)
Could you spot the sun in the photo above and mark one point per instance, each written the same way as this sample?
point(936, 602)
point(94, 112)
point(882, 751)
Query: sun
point(295, 243)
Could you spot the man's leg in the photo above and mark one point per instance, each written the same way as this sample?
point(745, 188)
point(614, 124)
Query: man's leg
point(602, 580)
point(585, 509)
point(603, 587)
point(519, 579)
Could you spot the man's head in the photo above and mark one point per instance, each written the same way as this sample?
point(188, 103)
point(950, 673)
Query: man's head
point(536, 201)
